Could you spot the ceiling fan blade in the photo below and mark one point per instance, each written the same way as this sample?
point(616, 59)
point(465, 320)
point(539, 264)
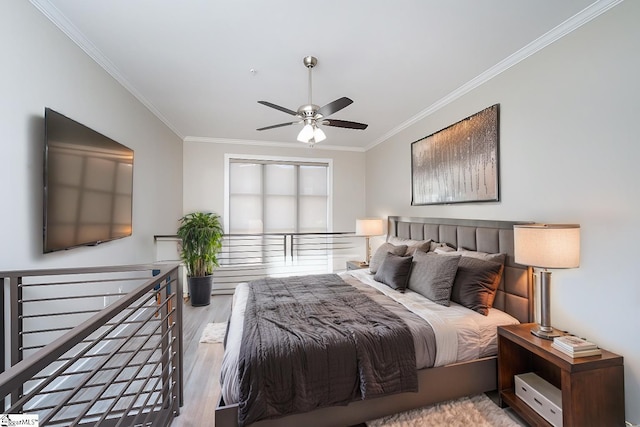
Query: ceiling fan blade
point(344, 124)
point(334, 106)
point(278, 126)
point(277, 107)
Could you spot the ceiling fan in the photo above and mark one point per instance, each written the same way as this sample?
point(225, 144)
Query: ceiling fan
point(312, 115)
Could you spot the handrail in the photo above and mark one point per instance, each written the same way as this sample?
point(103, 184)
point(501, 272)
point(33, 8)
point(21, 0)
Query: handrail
point(145, 323)
point(249, 256)
point(76, 270)
point(310, 233)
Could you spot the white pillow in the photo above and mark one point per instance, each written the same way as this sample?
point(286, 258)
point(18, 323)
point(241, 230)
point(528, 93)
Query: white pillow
point(435, 245)
point(444, 250)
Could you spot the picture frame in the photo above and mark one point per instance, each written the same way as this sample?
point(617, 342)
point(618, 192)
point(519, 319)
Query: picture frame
point(458, 164)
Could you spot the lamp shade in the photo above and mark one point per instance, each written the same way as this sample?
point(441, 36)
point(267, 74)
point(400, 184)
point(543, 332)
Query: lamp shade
point(318, 135)
point(547, 245)
point(369, 227)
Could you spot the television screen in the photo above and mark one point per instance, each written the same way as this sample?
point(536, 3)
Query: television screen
point(88, 185)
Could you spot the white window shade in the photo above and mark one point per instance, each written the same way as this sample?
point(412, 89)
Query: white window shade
point(280, 197)
point(313, 180)
point(280, 214)
point(245, 198)
point(245, 178)
point(313, 214)
point(280, 180)
point(247, 214)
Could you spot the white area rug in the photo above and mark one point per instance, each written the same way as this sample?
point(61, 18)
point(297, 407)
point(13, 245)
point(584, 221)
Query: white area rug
point(476, 411)
point(213, 333)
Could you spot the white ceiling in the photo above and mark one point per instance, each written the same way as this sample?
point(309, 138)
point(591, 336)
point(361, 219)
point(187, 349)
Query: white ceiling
point(190, 61)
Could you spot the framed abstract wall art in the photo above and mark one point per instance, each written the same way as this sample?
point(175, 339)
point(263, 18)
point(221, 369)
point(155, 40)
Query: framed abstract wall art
point(458, 164)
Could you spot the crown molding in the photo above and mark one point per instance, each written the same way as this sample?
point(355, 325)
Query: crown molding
point(298, 145)
point(576, 21)
point(59, 20)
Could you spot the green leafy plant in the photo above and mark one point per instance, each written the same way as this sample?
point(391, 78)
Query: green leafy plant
point(201, 234)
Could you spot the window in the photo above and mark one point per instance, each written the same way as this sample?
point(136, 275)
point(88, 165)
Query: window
point(277, 196)
point(277, 211)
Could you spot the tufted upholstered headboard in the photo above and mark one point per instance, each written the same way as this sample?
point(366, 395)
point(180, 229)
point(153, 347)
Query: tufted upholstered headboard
point(515, 294)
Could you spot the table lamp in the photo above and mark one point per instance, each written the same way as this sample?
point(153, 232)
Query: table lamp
point(547, 246)
point(369, 227)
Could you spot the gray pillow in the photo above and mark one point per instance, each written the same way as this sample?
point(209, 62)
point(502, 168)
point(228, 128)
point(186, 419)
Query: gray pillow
point(432, 276)
point(498, 257)
point(381, 252)
point(394, 271)
point(476, 283)
point(412, 245)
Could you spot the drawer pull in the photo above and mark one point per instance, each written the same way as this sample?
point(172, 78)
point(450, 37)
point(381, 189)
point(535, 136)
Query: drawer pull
point(552, 411)
point(537, 401)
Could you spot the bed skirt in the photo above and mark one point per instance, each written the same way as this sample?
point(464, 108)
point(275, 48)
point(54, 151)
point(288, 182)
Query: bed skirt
point(435, 385)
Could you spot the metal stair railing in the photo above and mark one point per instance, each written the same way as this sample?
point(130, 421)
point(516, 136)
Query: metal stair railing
point(93, 346)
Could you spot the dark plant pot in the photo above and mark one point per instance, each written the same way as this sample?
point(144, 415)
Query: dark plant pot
point(200, 290)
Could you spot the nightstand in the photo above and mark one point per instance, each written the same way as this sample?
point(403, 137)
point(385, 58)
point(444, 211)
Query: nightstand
point(356, 265)
point(592, 387)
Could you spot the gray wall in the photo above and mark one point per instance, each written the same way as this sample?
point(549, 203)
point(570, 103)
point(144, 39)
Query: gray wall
point(569, 151)
point(41, 68)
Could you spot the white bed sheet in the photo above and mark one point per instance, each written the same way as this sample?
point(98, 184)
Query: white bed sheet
point(461, 334)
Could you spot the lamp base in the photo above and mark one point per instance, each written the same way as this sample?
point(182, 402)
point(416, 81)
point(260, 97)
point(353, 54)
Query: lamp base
point(547, 333)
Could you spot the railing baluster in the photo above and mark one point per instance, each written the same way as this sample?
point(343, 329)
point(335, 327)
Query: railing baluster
point(15, 301)
point(2, 329)
point(179, 375)
point(165, 345)
point(284, 247)
point(126, 338)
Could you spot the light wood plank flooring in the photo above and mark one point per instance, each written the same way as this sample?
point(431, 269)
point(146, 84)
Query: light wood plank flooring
point(201, 364)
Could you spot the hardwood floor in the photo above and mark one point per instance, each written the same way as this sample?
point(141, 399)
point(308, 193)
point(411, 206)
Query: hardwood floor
point(201, 364)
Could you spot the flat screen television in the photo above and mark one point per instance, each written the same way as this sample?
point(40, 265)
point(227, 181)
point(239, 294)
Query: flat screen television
point(88, 185)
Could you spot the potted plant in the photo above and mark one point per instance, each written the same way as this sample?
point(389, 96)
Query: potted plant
point(201, 237)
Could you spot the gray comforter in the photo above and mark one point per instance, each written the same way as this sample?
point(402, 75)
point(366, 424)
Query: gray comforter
point(315, 341)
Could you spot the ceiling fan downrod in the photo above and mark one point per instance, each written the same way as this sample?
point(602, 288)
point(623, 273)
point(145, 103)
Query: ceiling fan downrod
point(310, 62)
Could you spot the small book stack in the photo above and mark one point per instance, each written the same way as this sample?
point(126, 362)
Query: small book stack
point(575, 347)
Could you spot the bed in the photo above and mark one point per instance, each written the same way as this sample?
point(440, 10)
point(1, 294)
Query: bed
point(448, 380)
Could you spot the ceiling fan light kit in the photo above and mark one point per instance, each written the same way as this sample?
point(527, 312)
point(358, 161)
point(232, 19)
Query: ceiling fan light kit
point(310, 134)
point(312, 115)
